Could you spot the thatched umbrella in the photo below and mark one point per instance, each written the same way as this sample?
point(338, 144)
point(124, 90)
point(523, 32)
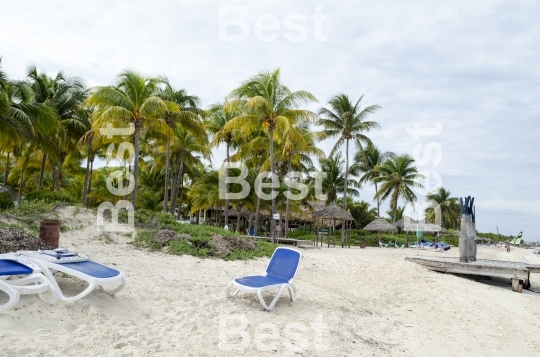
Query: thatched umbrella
point(407, 224)
point(380, 225)
point(333, 213)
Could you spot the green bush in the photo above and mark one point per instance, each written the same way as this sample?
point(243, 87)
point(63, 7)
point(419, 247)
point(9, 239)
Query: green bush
point(50, 197)
point(148, 223)
point(5, 201)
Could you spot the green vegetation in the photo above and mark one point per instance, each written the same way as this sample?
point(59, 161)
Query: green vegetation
point(28, 215)
point(5, 201)
point(50, 137)
point(149, 223)
point(50, 197)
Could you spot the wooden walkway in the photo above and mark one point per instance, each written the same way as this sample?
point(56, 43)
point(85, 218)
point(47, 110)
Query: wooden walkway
point(300, 243)
point(518, 272)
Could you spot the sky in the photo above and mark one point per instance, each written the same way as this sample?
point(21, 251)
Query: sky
point(469, 67)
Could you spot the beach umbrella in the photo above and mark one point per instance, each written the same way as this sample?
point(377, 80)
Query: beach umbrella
point(380, 225)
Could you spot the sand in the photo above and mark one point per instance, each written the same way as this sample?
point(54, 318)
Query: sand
point(351, 302)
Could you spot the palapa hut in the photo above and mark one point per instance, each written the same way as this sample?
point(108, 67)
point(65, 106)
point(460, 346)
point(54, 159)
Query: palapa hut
point(380, 225)
point(331, 214)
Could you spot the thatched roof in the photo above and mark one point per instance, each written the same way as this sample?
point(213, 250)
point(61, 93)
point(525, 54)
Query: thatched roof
point(380, 225)
point(334, 212)
point(405, 222)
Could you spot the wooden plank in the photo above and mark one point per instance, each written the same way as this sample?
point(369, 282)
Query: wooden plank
point(510, 271)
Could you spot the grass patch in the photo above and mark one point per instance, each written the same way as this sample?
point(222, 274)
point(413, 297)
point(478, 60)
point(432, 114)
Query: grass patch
point(148, 223)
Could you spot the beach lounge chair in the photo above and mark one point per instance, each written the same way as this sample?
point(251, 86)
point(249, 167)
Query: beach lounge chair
point(280, 274)
point(79, 266)
point(11, 266)
point(382, 244)
point(396, 245)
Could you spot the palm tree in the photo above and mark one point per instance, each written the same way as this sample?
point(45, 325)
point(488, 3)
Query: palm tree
point(181, 108)
point(450, 210)
point(366, 162)
point(334, 182)
point(362, 213)
point(186, 152)
point(397, 175)
point(133, 100)
point(218, 115)
point(347, 121)
point(298, 144)
point(269, 105)
point(64, 95)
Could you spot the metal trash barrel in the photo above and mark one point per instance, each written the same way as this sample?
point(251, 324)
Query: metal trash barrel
point(49, 231)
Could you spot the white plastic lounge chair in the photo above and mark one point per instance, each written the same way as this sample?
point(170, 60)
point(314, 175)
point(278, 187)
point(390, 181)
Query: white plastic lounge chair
point(280, 274)
point(11, 266)
point(382, 245)
point(79, 266)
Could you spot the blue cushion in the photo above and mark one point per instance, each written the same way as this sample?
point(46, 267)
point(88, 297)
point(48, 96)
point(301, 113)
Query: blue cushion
point(93, 269)
point(11, 267)
point(283, 264)
point(258, 281)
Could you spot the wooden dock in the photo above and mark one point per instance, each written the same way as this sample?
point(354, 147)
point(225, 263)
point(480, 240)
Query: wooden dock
point(300, 243)
point(518, 272)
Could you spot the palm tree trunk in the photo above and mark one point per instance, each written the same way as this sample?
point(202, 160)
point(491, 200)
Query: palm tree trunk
point(272, 170)
point(6, 171)
point(43, 163)
point(56, 175)
point(227, 189)
point(257, 213)
point(85, 186)
point(90, 179)
point(167, 164)
point(345, 191)
point(21, 185)
point(394, 219)
point(378, 202)
point(174, 190)
point(180, 186)
point(136, 163)
point(288, 208)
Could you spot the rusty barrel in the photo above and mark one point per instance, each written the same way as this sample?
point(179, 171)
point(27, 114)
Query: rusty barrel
point(49, 231)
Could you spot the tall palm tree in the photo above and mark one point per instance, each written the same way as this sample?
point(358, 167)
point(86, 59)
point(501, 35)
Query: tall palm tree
point(181, 108)
point(65, 95)
point(133, 100)
point(366, 162)
point(347, 121)
point(397, 176)
point(186, 152)
point(218, 115)
point(298, 144)
point(334, 182)
point(449, 206)
point(270, 105)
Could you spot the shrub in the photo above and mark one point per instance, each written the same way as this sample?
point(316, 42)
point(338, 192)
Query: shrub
point(5, 201)
point(50, 197)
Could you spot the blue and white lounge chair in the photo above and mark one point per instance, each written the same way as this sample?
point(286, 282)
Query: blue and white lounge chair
point(79, 266)
point(280, 274)
point(11, 266)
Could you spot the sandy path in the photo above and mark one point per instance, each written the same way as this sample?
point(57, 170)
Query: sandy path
point(373, 302)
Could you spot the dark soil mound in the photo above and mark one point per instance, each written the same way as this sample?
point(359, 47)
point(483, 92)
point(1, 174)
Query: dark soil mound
point(13, 239)
point(164, 236)
point(224, 245)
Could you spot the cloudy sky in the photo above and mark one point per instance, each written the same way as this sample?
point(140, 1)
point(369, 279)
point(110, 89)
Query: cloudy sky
point(471, 66)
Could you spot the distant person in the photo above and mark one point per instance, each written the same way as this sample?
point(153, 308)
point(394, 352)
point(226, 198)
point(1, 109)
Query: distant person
point(508, 247)
point(278, 230)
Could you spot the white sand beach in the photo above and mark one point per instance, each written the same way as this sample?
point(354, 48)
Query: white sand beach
point(372, 301)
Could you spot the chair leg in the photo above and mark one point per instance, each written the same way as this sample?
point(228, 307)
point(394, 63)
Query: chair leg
point(292, 292)
point(13, 296)
point(271, 306)
point(115, 290)
point(228, 290)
